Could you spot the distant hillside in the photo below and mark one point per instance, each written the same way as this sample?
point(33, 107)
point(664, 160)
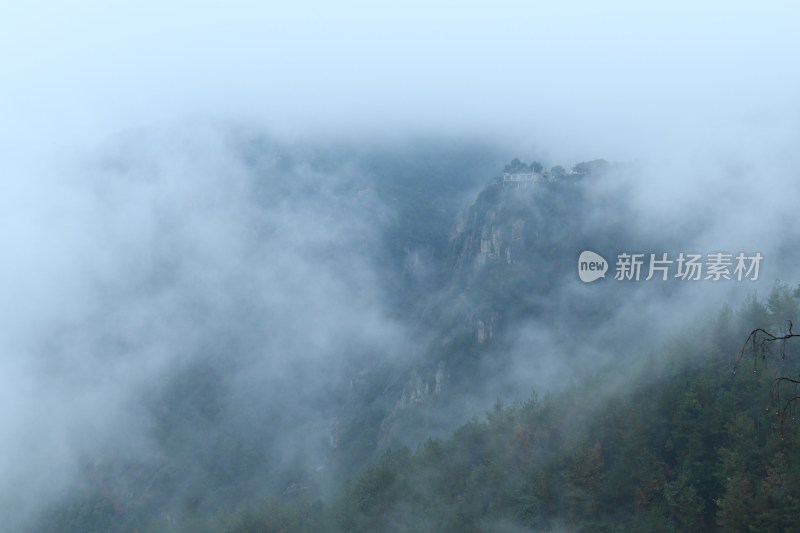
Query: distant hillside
point(481, 274)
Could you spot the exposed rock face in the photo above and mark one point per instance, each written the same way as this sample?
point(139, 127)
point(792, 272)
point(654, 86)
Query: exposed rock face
point(502, 251)
point(489, 244)
point(421, 385)
point(484, 235)
point(484, 327)
point(498, 241)
point(517, 243)
point(419, 390)
point(489, 231)
point(439, 379)
point(414, 390)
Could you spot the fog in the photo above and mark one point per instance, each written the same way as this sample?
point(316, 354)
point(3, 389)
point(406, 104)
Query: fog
point(576, 80)
point(191, 183)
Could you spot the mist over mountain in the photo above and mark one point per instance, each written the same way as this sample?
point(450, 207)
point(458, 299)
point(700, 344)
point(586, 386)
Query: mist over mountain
point(315, 267)
point(277, 322)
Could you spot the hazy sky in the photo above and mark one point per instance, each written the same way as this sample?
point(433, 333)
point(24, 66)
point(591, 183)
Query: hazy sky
point(579, 79)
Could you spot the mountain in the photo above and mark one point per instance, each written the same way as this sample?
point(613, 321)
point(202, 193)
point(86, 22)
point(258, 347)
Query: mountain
point(479, 304)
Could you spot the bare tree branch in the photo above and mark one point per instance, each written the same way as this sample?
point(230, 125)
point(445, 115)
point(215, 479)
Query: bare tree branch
point(759, 344)
point(758, 340)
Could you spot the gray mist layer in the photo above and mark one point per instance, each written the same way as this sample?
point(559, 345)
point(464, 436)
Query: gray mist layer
point(191, 187)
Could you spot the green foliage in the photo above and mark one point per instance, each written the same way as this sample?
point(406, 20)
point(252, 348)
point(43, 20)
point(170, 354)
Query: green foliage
point(518, 166)
point(693, 450)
